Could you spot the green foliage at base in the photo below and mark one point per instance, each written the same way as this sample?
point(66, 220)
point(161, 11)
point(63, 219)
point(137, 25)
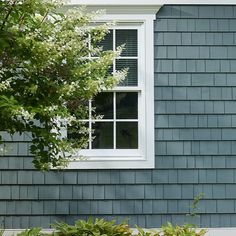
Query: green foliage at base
point(96, 228)
point(31, 232)
point(171, 230)
point(101, 227)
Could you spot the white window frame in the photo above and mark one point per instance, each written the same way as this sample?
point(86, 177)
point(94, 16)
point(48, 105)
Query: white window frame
point(143, 157)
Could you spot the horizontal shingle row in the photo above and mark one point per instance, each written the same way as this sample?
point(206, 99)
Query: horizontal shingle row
point(14, 149)
point(157, 176)
point(195, 52)
point(195, 121)
point(195, 65)
point(31, 177)
point(110, 207)
point(198, 11)
point(196, 134)
point(24, 137)
point(195, 147)
point(195, 79)
point(195, 38)
point(195, 25)
point(194, 176)
point(195, 107)
point(196, 161)
point(161, 190)
point(195, 93)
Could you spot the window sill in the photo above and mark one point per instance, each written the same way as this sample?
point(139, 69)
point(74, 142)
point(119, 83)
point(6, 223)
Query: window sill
point(92, 163)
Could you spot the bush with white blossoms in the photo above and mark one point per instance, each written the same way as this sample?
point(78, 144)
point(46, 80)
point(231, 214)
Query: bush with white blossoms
point(47, 75)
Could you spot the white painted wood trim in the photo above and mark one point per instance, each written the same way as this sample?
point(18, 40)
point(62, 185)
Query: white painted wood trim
point(144, 157)
point(210, 232)
point(149, 83)
point(221, 232)
point(148, 2)
point(117, 7)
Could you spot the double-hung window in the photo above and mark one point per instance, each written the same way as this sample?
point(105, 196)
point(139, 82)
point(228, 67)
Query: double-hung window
point(124, 137)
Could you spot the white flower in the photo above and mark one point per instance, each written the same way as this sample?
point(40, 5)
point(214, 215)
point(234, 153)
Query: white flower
point(24, 114)
point(64, 61)
point(5, 85)
point(70, 119)
point(51, 108)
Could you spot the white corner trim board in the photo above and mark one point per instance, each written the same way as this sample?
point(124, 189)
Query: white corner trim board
point(148, 2)
point(210, 232)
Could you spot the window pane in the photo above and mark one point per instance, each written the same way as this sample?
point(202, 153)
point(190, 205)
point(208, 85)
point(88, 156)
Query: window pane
point(107, 42)
point(132, 77)
point(103, 104)
point(103, 135)
point(127, 105)
point(129, 38)
point(127, 135)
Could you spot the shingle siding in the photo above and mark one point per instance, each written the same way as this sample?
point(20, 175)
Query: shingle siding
point(195, 109)
point(195, 130)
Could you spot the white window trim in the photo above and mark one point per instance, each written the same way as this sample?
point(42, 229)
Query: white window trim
point(151, 2)
point(144, 156)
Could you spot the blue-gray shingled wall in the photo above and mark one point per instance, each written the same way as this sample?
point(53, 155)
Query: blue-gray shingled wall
point(195, 125)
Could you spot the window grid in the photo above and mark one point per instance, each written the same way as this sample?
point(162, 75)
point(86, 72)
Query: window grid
point(114, 120)
point(115, 90)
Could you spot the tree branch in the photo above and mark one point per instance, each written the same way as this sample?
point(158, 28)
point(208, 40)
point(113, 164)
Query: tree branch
point(8, 14)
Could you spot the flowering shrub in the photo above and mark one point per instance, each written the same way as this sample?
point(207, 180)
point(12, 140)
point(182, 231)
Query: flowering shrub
point(47, 74)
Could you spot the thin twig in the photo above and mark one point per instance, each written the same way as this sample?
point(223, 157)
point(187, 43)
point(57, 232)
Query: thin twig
point(46, 14)
point(21, 19)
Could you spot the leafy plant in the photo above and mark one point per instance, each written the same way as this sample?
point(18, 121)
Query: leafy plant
point(185, 230)
point(93, 228)
point(170, 230)
point(142, 232)
point(31, 232)
point(47, 74)
point(194, 205)
point(101, 227)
